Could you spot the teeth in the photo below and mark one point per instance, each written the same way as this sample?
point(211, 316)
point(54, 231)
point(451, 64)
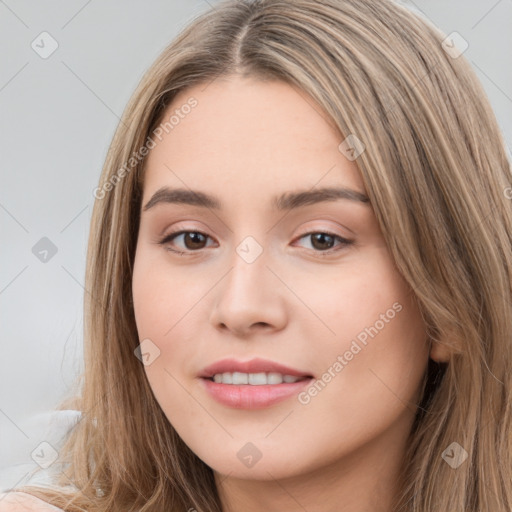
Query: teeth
point(274, 378)
point(257, 379)
point(239, 378)
point(254, 379)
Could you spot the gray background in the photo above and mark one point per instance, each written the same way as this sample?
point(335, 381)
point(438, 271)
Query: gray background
point(57, 119)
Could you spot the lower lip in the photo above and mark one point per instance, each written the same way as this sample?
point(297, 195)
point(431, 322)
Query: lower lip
point(247, 396)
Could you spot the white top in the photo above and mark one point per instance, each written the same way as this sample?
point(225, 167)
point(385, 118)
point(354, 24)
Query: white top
point(32, 457)
point(22, 502)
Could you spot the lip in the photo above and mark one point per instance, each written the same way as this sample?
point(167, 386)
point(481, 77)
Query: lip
point(256, 365)
point(247, 396)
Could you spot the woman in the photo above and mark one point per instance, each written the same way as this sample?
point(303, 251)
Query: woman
point(299, 276)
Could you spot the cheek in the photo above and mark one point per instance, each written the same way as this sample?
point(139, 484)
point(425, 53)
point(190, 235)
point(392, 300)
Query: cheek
point(169, 307)
point(362, 299)
point(163, 297)
point(374, 359)
point(162, 294)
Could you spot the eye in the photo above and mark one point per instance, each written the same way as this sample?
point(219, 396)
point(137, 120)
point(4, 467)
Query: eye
point(324, 242)
point(193, 240)
point(320, 241)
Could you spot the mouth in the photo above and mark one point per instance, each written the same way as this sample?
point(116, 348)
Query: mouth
point(255, 379)
point(253, 384)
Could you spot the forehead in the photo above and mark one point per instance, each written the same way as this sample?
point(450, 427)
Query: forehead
point(246, 137)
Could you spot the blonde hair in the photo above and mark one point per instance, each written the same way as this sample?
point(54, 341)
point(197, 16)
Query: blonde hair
point(435, 169)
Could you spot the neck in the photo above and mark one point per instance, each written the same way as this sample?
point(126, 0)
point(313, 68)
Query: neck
point(362, 481)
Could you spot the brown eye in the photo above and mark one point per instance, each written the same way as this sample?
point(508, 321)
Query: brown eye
point(194, 239)
point(190, 241)
point(324, 242)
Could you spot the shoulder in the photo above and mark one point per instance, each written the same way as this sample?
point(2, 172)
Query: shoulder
point(23, 502)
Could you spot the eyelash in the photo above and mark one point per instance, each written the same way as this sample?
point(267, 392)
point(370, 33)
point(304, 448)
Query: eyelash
point(344, 242)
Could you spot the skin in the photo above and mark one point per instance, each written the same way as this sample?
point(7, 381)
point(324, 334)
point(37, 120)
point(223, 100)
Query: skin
point(244, 142)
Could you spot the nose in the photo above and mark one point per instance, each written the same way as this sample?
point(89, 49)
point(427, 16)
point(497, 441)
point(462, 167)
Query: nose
point(249, 299)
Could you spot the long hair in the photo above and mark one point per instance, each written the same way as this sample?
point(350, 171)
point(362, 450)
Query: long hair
point(437, 174)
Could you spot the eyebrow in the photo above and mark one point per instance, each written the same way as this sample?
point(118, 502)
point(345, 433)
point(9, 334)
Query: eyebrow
point(286, 201)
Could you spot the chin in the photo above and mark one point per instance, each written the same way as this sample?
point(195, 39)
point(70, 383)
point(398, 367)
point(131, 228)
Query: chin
point(246, 464)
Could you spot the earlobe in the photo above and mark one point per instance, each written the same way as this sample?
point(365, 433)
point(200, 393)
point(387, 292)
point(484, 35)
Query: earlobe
point(440, 352)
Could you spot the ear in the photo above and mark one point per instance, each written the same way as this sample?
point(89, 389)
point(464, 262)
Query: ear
point(440, 352)
point(442, 349)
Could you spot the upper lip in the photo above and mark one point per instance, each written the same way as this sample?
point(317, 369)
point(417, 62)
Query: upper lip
point(256, 365)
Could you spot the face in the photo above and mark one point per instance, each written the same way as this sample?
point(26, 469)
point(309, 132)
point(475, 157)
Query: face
point(263, 284)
